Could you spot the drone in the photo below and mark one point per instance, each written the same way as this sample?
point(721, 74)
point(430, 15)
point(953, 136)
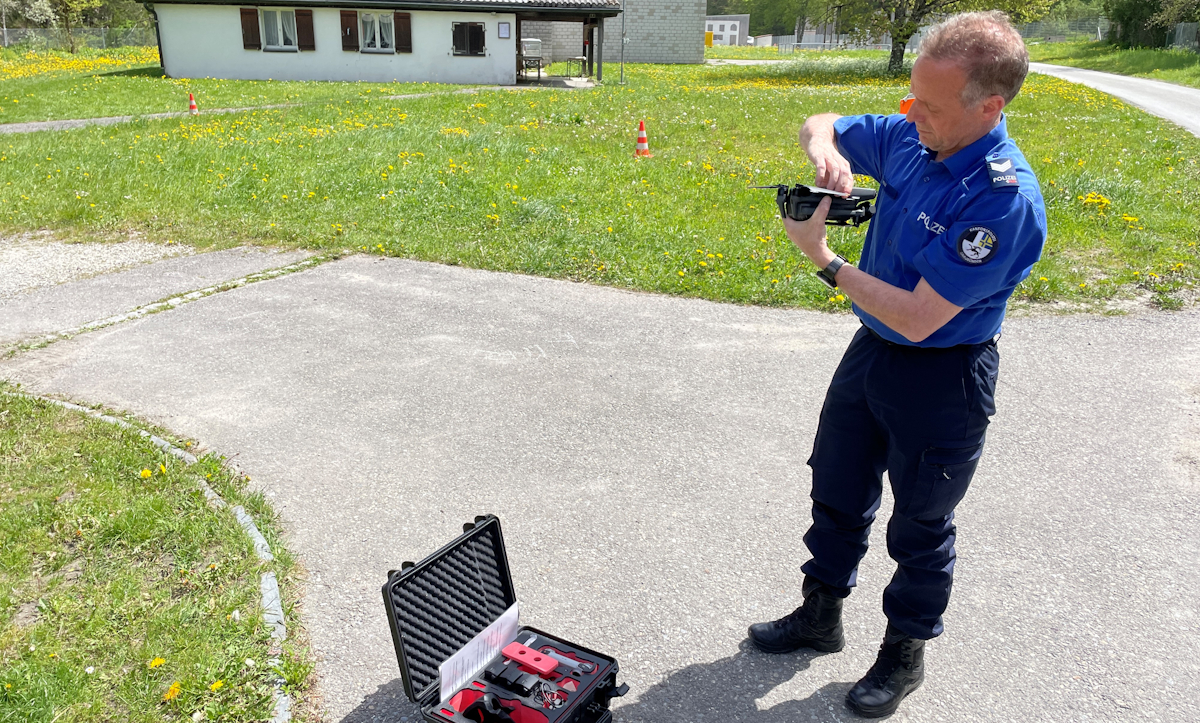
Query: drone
point(800, 203)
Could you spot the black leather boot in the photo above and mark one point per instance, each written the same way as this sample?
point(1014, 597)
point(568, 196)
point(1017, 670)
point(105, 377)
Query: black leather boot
point(816, 624)
point(899, 669)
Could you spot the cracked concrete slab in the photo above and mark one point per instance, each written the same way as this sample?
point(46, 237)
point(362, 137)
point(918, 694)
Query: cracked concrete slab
point(54, 305)
point(646, 455)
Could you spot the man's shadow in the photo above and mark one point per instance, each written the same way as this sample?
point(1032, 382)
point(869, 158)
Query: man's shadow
point(726, 690)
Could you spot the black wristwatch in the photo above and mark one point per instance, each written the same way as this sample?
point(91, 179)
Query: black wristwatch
point(829, 273)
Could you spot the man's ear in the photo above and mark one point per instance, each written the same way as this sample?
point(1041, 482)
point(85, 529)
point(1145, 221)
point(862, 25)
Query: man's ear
point(992, 105)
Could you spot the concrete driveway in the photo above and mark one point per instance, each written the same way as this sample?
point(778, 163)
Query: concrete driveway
point(646, 455)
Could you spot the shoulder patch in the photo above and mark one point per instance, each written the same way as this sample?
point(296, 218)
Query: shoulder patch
point(1002, 172)
point(977, 245)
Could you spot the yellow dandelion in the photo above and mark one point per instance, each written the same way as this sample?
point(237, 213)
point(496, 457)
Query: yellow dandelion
point(155, 663)
point(172, 692)
point(145, 473)
point(217, 685)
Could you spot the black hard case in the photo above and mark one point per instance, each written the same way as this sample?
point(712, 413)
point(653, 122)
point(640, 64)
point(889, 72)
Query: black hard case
point(438, 605)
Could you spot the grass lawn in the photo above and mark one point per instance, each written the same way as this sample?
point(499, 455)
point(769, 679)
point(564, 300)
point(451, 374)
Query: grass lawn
point(56, 85)
point(1174, 66)
point(123, 596)
point(544, 181)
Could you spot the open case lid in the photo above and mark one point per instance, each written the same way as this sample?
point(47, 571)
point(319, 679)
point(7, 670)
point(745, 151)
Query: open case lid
point(438, 605)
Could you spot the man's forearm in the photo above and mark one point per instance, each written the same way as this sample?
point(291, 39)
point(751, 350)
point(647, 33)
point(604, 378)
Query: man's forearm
point(818, 129)
point(913, 314)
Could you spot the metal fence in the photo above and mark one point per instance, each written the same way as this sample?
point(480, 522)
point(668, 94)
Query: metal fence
point(40, 38)
point(1187, 37)
point(820, 40)
point(1046, 31)
point(1059, 31)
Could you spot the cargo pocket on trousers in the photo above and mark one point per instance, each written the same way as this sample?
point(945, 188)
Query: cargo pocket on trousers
point(942, 480)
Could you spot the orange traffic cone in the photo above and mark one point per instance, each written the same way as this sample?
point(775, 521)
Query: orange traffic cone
point(642, 149)
point(192, 105)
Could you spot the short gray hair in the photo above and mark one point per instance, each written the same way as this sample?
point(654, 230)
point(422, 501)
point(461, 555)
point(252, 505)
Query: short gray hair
point(988, 49)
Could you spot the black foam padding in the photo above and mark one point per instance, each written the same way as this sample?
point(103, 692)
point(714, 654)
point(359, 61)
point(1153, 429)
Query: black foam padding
point(444, 601)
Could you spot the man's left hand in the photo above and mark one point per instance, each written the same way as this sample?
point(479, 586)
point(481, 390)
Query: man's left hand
point(809, 236)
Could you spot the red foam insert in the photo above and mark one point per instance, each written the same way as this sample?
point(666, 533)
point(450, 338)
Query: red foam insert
point(463, 698)
point(520, 712)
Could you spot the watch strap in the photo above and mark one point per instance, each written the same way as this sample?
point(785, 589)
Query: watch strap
point(829, 273)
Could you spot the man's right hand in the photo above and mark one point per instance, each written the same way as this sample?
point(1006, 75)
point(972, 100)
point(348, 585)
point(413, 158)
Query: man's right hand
point(819, 141)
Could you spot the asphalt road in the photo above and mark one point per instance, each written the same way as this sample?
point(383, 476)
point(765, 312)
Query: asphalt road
point(1177, 103)
point(645, 454)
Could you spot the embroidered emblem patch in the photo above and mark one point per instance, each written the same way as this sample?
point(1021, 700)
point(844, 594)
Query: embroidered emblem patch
point(1002, 173)
point(977, 245)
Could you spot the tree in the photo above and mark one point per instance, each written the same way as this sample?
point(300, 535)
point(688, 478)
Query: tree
point(1174, 12)
point(39, 12)
point(900, 19)
point(1133, 22)
point(71, 11)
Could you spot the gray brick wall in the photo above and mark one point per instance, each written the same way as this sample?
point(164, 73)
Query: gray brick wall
point(559, 40)
point(659, 31)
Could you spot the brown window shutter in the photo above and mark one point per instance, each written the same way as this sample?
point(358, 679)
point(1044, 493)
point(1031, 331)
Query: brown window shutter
point(403, 32)
point(304, 30)
point(349, 30)
point(251, 40)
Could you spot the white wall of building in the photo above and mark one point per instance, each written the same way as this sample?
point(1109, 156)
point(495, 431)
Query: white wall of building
point(729, 29)
point(205, 41)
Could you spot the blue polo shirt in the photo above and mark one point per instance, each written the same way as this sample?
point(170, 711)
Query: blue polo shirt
point(972, 226)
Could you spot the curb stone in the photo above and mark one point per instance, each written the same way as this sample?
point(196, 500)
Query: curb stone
point(271, 601)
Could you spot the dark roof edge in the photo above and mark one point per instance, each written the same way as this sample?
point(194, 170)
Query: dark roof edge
point(484, 7)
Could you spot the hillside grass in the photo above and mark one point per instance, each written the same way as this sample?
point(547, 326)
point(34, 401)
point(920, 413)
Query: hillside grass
point(544, 181)
point(1172, 66)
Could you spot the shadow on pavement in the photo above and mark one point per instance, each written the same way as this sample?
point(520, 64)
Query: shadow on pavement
point(726, 690)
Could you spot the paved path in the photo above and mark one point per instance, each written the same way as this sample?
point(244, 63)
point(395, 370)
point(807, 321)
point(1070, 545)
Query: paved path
point(1177, 103)
point(646, 456)
point(49, 308)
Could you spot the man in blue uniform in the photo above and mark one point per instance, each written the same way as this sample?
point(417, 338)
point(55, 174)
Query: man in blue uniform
point(960, 222)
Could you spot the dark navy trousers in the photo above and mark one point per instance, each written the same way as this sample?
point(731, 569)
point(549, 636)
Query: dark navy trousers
point(921, 415)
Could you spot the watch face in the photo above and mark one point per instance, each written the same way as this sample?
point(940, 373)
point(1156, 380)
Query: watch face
point(829, 281)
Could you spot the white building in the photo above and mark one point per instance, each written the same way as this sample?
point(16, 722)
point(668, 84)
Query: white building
point(442, 41)
point(728, 29)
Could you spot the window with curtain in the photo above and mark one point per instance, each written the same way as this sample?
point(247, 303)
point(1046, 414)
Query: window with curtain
point(279, 30)
point(378, 32)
